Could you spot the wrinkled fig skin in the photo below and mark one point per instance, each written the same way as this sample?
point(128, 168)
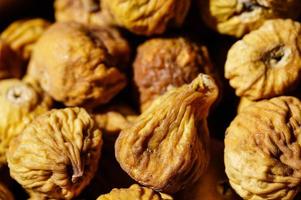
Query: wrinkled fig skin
point(146, 17)
point(57, 154)
point(19, 104)
point(262, 150)
point(5, 194)
point(166, 148)
point(266, 62)
point(10, 63)
point(135, 192)
point(21, 35)
point(238, 17)
point(88, 12)
point(214, 184)
point(167, 62)
point(74, 65)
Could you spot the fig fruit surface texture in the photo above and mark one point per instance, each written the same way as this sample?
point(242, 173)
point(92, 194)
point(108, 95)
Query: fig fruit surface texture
point(238, 17)
point(75, 64)
point(163, 63)
point(57, 154)
point(266, 62)
point(20, 103)
point(166, 148)
point(262, 149)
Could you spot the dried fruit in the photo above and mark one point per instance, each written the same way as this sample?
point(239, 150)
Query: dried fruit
point(113, 119)
point(21, 35)
point(213, 185)
point(266, 62)
point(146, 17)
point(5, 194)
point(135, 192)
point(20, 102)
point(10, 63)
point(83, 11)
point(166, 147)
point(57, 154)
point(262, 149)
point(244, 102)
point(167, 62)
point(238, 17)
point(73, 63)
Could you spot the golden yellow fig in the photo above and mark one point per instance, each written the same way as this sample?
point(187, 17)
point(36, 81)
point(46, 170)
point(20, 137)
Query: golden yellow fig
point(262, 150)
point(57, 153)
point(20, 103)
point(166, 148)
point(135, 192)
point(266, 62)
point(75, 64)
point(238, 17)
point(146, 17)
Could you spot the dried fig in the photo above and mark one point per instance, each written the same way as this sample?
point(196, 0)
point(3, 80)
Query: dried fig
point(166, 147)
point(57, 153)
point(167, 62)
point(267, 61)
point(238, 17)
point(262, 149)
point(83, 11)
point(135, 192)
point(19, 104)
point(10, 63)
point(73, 63)
point(5, 194)
point(21, 35)
point(146, 17)
point(213, 185)
point(244, 102)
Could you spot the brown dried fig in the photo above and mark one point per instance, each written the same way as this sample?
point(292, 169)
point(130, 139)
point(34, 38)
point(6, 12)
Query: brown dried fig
point(20, 102)
point(57, 153)
point(166, 147)
point(238, 17)
point(21, 35)
point(83, 11)
point(146, 17)
point(214, 184)
point(267, 61)
point(167, 62)
point(5, 194)
point(262, 150)
point(74, 64)
point(135, 192)
point(10, 63)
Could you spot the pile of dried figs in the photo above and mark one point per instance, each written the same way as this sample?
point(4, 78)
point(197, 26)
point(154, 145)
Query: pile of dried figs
point(152, 100)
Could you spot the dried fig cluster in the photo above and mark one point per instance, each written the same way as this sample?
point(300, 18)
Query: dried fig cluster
point(74, 63)
point(238, 17)
point(262, 149)
point(134, 192)
point(166, 148)
point(163, 63)
point(20, 103)
point(57, 154)
point(266, 62)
